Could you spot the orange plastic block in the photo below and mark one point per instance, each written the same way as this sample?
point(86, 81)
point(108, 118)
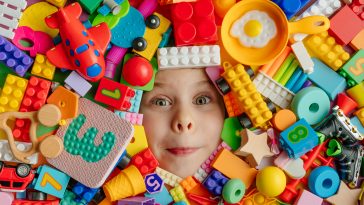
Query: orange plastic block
point(232, 106)
point(43, 68)
point(356, 93)
point(358, 41)
point(66, 101)
point(324, 47)
point(283, 119)
point(12, 93)
point(233, 167)
point(58, 3)
point(188, 184)
point(360, 114)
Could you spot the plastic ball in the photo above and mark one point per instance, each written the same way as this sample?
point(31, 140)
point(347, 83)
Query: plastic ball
point(271, 181)
point(137, 71)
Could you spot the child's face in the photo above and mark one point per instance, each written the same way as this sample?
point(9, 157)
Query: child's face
point(183, 119)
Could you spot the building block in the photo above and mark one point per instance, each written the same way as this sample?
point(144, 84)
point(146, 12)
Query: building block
point(271, 89)
point(43, 68)
point(292, 167)
point(92, 164)
point(134, 118)
point(333, 83)
point(356, 93)
point(66, 101)
point(154, 183)
point(7, 198)
point(298, 139)
point(232, 106)
point(230, 133)
point(214, 182)
point(7, 155)
point(357, 123)
point(200, 174)
point(290, 8)
point(358, 41)
point(58, 3)
point(345, 195)
point(138, 142)
point(136, 200)
point(233, 167)
point(324, 47)
point(11, 11)
point(360, 114)
point(12, 93)
point(353, 70)
point(168, 178)
point(83, 193)
point(339, 25)
point(90, 5)
point(178, 194)
point(13, 57)
point(194, 23)
point(324, 181)
point(135, 101)
point(153, 36)
point(345, 103)
point(145, 161)
point(70, 198)
point(51, 181)
point(283, 119)
point(358, 7)
point(306, 197)
point(114, 94)
point(188, 56)
point(77, 83)
point(162, 198)
point(302, 56)
point(323, 8)
point(188, 184)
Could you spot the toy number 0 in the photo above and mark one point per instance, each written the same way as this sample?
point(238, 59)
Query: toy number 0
point(297, 134)
point(47, 178)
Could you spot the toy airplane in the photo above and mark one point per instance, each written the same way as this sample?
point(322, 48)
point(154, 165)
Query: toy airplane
point(81, 49)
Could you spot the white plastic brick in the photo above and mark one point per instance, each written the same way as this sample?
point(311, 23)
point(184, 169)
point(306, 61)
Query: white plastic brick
point(271, 89)
point(303, 57)
point(78, 83)
point(188, 57)
point(12, 9)
point(168, 178)
point(200, 175)
point(7, 156)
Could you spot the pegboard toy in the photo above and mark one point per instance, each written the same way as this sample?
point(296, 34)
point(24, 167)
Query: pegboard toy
point(43, 68)
point(7, 156)
point(11, 11)
point(145, 161)
point(12, 93)
point(353, 69)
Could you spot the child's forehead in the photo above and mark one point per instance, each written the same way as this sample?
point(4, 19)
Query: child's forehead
point(185, 74)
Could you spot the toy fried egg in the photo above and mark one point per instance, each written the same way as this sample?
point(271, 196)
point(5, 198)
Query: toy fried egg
point(254, 29)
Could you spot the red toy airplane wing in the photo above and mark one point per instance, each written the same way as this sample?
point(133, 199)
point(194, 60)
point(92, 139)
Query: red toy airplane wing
point(58, 57)
point(101, 35)
point(64, 14)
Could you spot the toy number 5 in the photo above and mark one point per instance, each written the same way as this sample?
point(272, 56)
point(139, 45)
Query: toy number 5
point(359, 67)
point(297, 134)
point(47, 178)
point(153, 183)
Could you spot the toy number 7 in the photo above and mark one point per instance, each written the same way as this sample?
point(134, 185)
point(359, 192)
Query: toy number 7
point(47, 178)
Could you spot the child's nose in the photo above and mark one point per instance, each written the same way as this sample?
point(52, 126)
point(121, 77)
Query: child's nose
point(183, 122)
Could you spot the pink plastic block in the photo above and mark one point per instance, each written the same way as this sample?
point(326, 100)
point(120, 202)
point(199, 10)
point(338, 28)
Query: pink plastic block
point(147, 7)
point(41, 41)
point(114, 58)
point(206, 166)
point(307, 197)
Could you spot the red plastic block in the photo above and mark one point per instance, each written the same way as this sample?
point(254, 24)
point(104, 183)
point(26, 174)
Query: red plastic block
point(345, 25)
point(194, 23)
point(145, 161)
point(29, 202)
point(358, 7)
point(34, 98)
point(114, 94)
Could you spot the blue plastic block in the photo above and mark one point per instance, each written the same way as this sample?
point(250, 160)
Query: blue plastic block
point(104, 10)
point(70, 199)
point(356, 122)
point(327, 79)
point(165, 38)
point(298, 139)
point(87, 24)
point(162, 198)
point(180, 203)
point(324, 181)
point(299, 83)
point(214, 182)
point(83, 192)
point(291, 7)
point(154, 183)
point(135, 101)
point(14, 58)
point(295, 76)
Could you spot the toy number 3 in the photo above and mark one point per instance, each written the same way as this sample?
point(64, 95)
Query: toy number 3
point(47, 178)
point(297, 134)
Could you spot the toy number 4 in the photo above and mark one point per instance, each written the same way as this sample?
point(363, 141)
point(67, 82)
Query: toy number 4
point(359, 67)
point(297, 134)
point(47, 178)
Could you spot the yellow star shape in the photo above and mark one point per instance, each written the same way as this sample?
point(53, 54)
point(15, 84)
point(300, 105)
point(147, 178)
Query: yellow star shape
point(345, 195)
point(254, 147)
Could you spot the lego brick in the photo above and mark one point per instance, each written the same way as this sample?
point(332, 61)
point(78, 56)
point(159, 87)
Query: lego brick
point(188, 184)
point(271, 89)
point(306, 197)
point(194, 23)
point(92, 164)
point(353, 70)
point(298, 139)
point(70, 198)
point(345, 195)
point(356, 93)
point(232, 106)
point(358, 41)
point(32, 202)
point(12, 93)
point(43, 68)
point(178, 194)
point(233, 167)
point(339, 25)
point(13, 57)
point(168, 178)
point(153, 36)
point(65, 100)
point(11, 11)
point(145, 161)
point(154, 183)
point(302, 56)
point(355, 121)
point(90, 5)
point(136, 200)
point(7, 198)
point(358, 7)
point(324, 47)
point(291, 7)
point(7, 156)
point(214, 182)
point(200, 174)
point(134, 118)
point(188, 57)
point(135, 101)
point(83, 192)
point(114, 94)
point(162, 198)
point(360, 115)
point(58, 3)
point(322, 8)
point(139, 141)
point(230, 133)
point(77, 83)
point(333, 83)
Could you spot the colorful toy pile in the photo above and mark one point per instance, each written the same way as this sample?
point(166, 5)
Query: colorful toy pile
point(72, 76)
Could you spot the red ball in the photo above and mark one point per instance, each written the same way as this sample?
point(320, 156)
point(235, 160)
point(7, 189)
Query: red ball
point(137, 71)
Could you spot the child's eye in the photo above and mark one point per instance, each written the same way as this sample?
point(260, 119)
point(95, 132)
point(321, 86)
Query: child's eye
point(161, 102)
point(202, 100)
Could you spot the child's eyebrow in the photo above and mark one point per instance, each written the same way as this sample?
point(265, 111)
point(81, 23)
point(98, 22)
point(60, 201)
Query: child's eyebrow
point(197, 83)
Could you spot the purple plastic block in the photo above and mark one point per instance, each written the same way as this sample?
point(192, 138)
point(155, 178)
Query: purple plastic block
point(214, 182)
point(13, 57)
point(138, 200)
point(306, 84)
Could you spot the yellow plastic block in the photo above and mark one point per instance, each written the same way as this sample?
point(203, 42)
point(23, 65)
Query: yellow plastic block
point(58, 3)
point(139, 141)
point(356, 93)
point(43, 68)
point(154, 37)
point(178, 194)
point(360, 114)
point(12, 93)
point(324, 47)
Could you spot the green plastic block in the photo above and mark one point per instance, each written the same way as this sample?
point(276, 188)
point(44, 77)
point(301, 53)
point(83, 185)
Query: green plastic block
point(90, 5)
point(231, 132)
point(353, 70)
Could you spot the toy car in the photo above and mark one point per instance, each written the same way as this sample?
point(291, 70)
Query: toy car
point(15, 179)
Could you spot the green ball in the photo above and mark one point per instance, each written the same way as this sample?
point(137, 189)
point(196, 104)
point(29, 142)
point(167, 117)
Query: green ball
point(233, 191)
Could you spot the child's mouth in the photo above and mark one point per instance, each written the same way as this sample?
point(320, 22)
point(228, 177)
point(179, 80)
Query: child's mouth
point(180, 151)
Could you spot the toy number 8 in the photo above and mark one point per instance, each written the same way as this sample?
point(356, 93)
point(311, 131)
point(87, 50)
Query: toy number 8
point(297, 134)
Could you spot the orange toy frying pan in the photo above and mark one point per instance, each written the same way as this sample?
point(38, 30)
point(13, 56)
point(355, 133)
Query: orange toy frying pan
point(259, 56)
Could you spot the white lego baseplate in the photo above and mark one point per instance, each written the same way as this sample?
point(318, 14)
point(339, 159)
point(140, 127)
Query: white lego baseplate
point(12, 9)
point(7, 156)
point(168, 178)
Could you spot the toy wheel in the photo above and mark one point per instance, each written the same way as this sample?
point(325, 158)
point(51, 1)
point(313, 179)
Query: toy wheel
point(37, 196)
point(139, 44)
point(245, 121)
point(249, 71)
point(270, 105)
point(153, 21)
point(223, 86)
point(23, 170)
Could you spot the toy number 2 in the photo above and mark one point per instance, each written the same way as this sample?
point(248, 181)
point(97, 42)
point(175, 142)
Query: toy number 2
point(297, 134)
point(359, 67)
point(47, 178)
